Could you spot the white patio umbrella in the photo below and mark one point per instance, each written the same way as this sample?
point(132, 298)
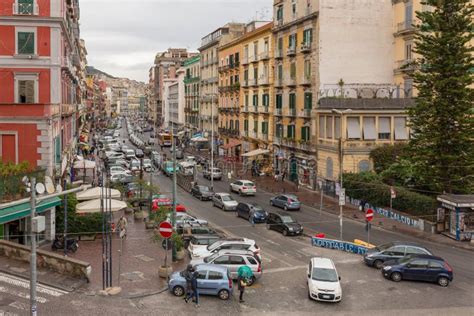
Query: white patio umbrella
point(84, 164)
point(94, 193)
point(93, 206)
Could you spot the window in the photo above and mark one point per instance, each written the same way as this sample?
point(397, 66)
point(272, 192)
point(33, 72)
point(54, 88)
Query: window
point(222, 259)
point(305, 133)
point(322, 121)
point(279, 130)
point(329, 168)
point(435, 265)
point(293, 70)
point(280, 71)
point(237, 125)
point(307, 69)
point(231, 124)
point(329, 126)
point(255, 126)
point(292, 100)
point(279, 13)
point(384, 128)
point(293, 8)
point(308, 36)
point(26, 43)
point(265, 45)
point(292, 41)
point(408, 50)
point(337, 127)
point(237, 260)
point(246, 125)
point(246, 100)
point(25, 7)
point(214, 275)
point(408, 13)
point(364, 166)
point(408, 88)
point(246, 74)
point(395, 251)
point(400, 128)
point(369, 128)
point(246, 51)
point(308, 100)
point(255, 100)
point(26, 91)
point(264, 127)
point(419, 264)
point(265, 100)
point(279, 101)
point(353, 128)
point(202, 275)
point(252, 261)
point(291, 131)
point(255, 73)
point(280, 43)
point(255, 50)
point(416, 250)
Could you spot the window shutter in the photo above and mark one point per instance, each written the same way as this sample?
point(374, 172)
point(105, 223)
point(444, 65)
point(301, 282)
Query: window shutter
point(400, 128)
point(329, 126)
point(303, 133)
point(26, 43)
point(308, 100)
point(322, 120)
point(384, 125)
point(369, 128)
point(353, 128)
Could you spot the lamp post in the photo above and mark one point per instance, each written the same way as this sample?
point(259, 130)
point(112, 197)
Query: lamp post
point(341, 166)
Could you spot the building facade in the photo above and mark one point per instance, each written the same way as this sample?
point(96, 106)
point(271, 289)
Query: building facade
point(42, 80)
point(192, 86)
point(170, 97)
point(209, 71)
point(177, 101)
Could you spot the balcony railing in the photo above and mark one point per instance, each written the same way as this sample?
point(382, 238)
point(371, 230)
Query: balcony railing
point(263, 137)
point(245, 60)
point(278, 82)
point(306, 81)
point(278, 111)
point(305, 47)
point(278, 22)
point(291, 112)
point(306, 113)
point(253, 134)
point(223, 68)
point(405, 65)
point(25, 9)
point(263, 109)
point(291, 51)
point(245, 83)
point(245, 109)
point(264, 55)
point(253, 82)
point(291, 82)
point(263, 80)
point(405, 26)
point(245, 133)
point(278, 53)
point(253, 58)
point(254, 109)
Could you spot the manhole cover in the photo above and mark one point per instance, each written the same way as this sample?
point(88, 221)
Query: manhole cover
point(133, 276)
point(144, 258)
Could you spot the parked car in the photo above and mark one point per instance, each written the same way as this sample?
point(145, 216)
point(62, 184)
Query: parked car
point(284, 223)
point(168, 168)
point(118, 162)
point(148, 129)
point(189, 230)
point(419, 268)
point(224, 201)
point(183, 218)
point(114, 155)
point(132, 189)
point(211, 280)
point(216, 173)
point(134, 165)
point(147, 166)
point(139, 153)
point(123, 178)
point(202, 192)
point(119, 169)
point(245, 209)
point(375, 257)
point(129, 154)
point(201, 241)
point(167, 204)
point(156, 158)
point(323, 280)
point(227, 244)
point(243, 187)
point(286, 202)
point(233, 260)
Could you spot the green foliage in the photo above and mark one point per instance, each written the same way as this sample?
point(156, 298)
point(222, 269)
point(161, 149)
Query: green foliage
point(369, 187)
point(442, 124)
point(384, 156)
point(77, 224)
point(11, 176)
point(178, 241)
point(402, 173)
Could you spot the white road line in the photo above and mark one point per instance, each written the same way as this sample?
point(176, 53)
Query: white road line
point(19, 305)
point(276, 259)
point(13, 280)
point(283, 269)
point(21, 294)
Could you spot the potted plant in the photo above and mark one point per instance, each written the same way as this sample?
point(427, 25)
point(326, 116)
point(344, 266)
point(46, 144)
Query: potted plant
point(179, 244)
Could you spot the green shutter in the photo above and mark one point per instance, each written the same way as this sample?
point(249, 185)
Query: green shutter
point(292, 100)
point(255, 126)
point(246, 125)
point(279, 102)
point(308, 101)
point(26, 43)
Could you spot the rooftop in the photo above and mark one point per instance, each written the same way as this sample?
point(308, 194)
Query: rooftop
point(365, 104)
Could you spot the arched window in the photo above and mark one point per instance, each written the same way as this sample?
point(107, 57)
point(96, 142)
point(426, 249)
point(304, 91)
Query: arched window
point(364, 166)
point(329, 168)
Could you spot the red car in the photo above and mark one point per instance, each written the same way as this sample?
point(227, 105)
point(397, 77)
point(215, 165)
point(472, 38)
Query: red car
point(167, 203)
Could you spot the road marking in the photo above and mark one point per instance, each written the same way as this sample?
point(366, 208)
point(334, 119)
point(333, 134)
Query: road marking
point(276, 259)
point(39, 299)
point(13, 280)
point(19, 305)
point(274, 270)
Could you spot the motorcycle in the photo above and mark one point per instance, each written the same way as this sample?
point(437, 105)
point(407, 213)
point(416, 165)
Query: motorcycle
point(58, 244)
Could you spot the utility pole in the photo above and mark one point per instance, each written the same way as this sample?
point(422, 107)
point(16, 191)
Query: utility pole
point(173, 217)
point(212, 142)
point(340, 187)
point(65, 221)
point(33, 308)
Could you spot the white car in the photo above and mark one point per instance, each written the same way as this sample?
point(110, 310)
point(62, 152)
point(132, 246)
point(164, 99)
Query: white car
point(134, 165)
point(183, 218)
point(229, 244)
point(147, 166)
point(119, 169)
point(323, 280)
point(243, 187)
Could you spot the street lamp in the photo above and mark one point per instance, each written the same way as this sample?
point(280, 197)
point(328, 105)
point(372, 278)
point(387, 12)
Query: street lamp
point(341, 113)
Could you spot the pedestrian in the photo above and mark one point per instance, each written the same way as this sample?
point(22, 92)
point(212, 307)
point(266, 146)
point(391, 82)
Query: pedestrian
point(252, 217)
point(122, 225)
point(194, 287)
point(242, 284)
point(188, 273)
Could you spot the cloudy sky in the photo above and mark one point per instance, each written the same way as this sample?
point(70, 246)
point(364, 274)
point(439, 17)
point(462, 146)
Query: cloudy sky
point(123, 36)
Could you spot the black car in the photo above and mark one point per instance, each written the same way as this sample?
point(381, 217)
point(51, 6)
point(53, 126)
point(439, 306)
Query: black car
point(202, 192)
point(376, 257)
point(148, 129)
point(419, 268)
point(245, 209)
point(139, 153)
point(284, 223)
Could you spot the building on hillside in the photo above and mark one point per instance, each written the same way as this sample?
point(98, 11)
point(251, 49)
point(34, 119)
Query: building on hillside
point(192, 68)
point(209, 71)
point(165, 66)
point(42, 80)
point(170, 96)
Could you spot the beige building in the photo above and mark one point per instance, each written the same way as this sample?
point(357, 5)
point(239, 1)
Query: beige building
point(209, 71)
point(192, 86)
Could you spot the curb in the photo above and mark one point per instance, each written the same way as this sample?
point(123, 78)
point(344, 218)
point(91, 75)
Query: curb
point(136, 296)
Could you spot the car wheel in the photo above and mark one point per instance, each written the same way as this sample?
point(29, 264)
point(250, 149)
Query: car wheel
point(223, 295)
point(267, 226)
point(240, 192)
point(443, 281)
point(178, 291)
point(213, 204)
point(378, 264)
point(285, 207)
point(396, 277)
point(230, 188)
point(237, 214)
point(223, 207)
point(285, 232)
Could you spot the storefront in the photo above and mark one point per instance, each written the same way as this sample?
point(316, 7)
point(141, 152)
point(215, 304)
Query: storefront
point(456, 216)
point(14, 221)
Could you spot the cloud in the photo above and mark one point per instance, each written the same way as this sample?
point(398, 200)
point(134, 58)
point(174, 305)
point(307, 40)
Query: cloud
point(123, 36)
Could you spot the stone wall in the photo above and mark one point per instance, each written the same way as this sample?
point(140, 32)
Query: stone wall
point(46, 259)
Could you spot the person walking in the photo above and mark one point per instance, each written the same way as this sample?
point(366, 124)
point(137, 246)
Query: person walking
point(188, 275)
point(252, 217)
point(122, 225)
point(242, 284)
point(194, 287)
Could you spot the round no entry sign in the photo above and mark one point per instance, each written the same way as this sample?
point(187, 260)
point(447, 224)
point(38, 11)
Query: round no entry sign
point(165, 229)
point(369, 215)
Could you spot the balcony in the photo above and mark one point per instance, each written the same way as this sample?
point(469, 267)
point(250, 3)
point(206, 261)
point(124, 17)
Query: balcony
point(278, 23)
point(25, 9)
point(223, 68)
point(245, 109)
point(405, 65)
point(278, 53)
point(306, 113)
point(278, 83)
point(263, 109)
point(245, 61)
point(67, 65)
point(68, 109)
point(253, 58)
point(264, 56)
point(277, 140)
point(245, 133)
point(263, 80)
point(253, 82)
point(278, 112)
point(305, 145)
point(291, 113)
point(291, 51)
point(195, 110)
point(245, 83)
point(253, 134)
point(291, 82)
point(405, 27)
point(305, 47)
point(306, 81)
point(263, 137)
point(254, 109)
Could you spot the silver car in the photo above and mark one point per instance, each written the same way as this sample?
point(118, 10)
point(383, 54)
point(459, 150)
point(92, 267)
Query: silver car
point(233, 260)
point(216, 174)
point(224, 201)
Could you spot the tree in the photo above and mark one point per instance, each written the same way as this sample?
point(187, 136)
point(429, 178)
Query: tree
point(384, 156)
point(441, 121)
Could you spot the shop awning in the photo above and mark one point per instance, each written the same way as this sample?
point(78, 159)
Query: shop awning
point(93, 206)
point(256, 152)
point(95, 193)
point(232, 143)
point(12, 213)
point(84, 164)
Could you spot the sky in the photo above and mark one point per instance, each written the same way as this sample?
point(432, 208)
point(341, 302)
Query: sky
point(123, 36)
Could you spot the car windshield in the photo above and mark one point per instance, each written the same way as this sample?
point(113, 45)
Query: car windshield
point(214, 245)
point(324, 275)
point(250, 184)
point(135, 163)
point(405, 259)
point(211, 257)
point(146, 161)
point(287, 219)
point(227, 198)
point(256, 208)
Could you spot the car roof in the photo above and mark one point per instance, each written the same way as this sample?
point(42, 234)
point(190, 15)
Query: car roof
point(212, 267)
point(321, 262)
point(289, 196)
point(205, 236)
point(281, 213)
point(406, 243)
point(237, 240)
point(222, 193)
point(236, 252)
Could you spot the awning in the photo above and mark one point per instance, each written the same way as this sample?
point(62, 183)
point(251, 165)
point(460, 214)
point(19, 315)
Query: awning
point(93, 206)
point(12, 213)
point(232, 143)
point(95, 193)
point(199, 139)
point(84, 164)
point(256, 152)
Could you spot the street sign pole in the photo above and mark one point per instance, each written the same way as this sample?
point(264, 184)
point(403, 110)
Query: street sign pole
point(322, 195)
point(369, 216)
point(368, 232)
point(33, 250)
point(173, 217)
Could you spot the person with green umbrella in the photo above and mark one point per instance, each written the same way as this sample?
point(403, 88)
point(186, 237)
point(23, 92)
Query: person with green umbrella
point(244, 273)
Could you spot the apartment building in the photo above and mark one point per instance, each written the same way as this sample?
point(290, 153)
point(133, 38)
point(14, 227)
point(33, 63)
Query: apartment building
point(192, 85)
point(209, 71)
point(42, 76)
point(177, 101)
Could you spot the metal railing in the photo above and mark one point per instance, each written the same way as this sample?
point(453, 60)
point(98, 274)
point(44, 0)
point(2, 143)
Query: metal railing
point(406, 26)
point(25, 9)
point(291, 51)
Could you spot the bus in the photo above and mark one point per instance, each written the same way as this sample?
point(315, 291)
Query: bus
point(164, 139)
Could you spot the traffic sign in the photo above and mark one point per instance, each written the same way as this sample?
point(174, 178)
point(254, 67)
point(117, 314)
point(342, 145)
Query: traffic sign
point(393, 193)
point(342, 196)
point(165, 229)
point(369, 215)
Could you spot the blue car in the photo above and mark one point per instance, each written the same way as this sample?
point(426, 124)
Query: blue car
point(419, 268)
point(245, 209)
point(212, 280)
point(286, 202)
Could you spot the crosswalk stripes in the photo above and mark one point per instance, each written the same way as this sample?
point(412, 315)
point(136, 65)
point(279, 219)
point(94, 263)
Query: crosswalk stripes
point(17, 289)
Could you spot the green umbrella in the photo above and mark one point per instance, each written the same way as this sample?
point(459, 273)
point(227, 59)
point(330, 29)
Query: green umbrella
point(245, 272)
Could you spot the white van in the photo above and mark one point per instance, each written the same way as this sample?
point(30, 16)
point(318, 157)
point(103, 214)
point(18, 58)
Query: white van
point(323, 280)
